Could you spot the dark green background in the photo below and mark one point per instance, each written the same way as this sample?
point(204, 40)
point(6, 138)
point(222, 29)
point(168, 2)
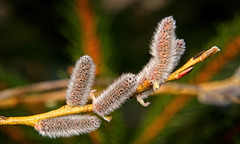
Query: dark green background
point(37, 40)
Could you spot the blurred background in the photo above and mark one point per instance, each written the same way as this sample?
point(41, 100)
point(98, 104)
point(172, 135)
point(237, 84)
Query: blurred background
point(41, 40)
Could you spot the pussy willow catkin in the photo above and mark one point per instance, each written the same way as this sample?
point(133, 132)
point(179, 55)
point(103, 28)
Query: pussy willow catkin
point(81, 82)
point(166, 50)
point(67, 126)
point(115, 95)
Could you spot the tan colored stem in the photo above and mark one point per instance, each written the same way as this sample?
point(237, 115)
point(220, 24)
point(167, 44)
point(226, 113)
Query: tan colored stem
point(41, 86)
point(170, 87)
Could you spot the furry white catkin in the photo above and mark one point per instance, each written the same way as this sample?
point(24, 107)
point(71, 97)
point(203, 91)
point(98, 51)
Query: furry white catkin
point(180, 49)
point(166, 51)
point(115, 95)
point(67, 126)
point(164, 39)
point(81, 82)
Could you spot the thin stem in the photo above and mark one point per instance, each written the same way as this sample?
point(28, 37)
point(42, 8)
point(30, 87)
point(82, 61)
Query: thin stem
point(32, 120)
point(42, 86)
point(170, 87)
point(54, 85)
point(34, 99)
point(194, 60)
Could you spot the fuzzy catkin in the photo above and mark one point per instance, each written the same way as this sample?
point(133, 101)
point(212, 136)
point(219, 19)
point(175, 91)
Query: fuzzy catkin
point(115, 95)
point(142, 76)
point(163, 38)
point(164, 51)
point(180, 49)
point(81, 82)
point(67, 126)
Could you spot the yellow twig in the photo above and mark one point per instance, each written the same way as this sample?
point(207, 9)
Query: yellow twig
point(66, 110)
point(181, 71)
point(194, 60)
point(32, 120)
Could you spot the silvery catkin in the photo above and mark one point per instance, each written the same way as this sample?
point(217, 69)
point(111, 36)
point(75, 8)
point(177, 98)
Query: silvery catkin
point(67, 126)
point(81, 82)
point(115, 95)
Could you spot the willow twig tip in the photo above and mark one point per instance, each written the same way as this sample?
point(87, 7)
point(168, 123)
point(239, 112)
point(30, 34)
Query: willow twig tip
point(210, 52)
point(216, 48)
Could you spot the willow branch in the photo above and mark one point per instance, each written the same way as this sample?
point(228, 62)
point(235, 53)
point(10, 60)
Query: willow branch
point(55, 96)
point(181, 72)
point(38, 87)
point(32, 120)
point(194, 60)
point(42, 87)
point(66, 110)
point(170, 88)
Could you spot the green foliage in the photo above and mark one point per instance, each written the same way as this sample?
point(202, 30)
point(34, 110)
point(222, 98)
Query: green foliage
point(71, 28)
point(11, 79)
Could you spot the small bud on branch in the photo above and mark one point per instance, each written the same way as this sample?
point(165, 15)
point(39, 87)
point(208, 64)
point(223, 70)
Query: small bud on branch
point(194, 60)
